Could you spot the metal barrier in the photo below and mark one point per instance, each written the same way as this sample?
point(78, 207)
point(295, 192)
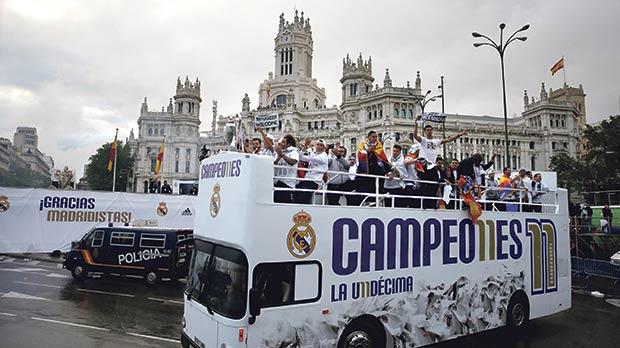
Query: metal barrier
point(598, 268)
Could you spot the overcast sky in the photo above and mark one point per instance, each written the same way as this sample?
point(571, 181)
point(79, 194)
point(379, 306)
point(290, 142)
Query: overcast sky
point(76, 70)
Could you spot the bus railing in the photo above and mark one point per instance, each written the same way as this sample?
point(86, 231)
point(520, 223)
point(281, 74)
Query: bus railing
point(598, 268)
point(379, 198)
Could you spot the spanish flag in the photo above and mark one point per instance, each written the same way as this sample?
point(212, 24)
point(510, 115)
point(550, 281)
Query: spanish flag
point(112, 153)
point(362, 156)
point(160, 158)
point(557, 66)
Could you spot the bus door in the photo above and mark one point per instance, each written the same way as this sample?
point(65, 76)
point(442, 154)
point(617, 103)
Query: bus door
point(216, 295)
point(282, 291)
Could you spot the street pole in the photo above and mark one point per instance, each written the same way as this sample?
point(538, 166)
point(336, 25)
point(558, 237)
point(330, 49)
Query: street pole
point(505, 112)
point(443, 111)
point(114, 169)
point(501, 48)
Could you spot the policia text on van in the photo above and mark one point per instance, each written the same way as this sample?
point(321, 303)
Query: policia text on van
point(153, 253)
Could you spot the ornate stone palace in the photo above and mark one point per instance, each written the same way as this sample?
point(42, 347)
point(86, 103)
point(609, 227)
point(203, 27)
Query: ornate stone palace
point(176, 126)
point(547, 126)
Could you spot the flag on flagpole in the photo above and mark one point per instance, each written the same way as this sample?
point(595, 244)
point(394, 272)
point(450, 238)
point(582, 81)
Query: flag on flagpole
point(160, 158)
point(112, 154)
point(557, 66)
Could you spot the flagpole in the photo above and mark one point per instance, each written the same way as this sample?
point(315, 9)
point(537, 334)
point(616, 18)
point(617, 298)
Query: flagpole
point(114, 168)
point(564, 70)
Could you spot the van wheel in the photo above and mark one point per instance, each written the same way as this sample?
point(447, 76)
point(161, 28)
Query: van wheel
point(518, 311)
point(151, 278)
point(362, 334)
point(78, 272)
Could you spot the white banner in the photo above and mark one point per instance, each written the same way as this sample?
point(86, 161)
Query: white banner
point(438, 117)
point(38, 220)
point(266, 121)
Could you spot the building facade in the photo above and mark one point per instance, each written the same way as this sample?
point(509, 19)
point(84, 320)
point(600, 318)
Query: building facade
point(177, 128)
point(26, 142)
point(547, 126)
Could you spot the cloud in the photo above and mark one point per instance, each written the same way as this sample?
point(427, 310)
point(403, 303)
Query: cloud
point(77, 70)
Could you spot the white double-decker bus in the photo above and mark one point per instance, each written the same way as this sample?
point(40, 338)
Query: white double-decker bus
point(265, 274)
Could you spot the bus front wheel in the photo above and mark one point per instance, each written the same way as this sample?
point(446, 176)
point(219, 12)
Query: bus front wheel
point(518, 310)
point(363, 333)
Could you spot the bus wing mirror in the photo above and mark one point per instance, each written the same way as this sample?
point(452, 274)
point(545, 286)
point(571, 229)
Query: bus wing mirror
point(254, 303)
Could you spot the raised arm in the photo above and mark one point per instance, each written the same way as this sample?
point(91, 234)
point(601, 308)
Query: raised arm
point(268, 143)
point(453, 138)
point(415, 129)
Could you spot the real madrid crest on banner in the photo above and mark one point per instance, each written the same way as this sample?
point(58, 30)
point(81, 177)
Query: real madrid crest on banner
point(301, 238)
point(4, 203)
point(215, 204)
point(162, 210)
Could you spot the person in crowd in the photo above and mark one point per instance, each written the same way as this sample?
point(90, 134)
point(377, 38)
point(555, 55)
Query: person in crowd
point(166, 188)
point(507, 192)
point(400, 180)
point(286, 157)
point(338, 182)
point(524, 185)
point(573, 212)
point(468, 166)
point(538, 190)
point(437, 175)
point(371, 159)
point(608, 216)
point(492, 193)
point(586, 218)
point(452, 175)
point(428, 145)
point(267, 143)
point(317, 166)
point(194, 191)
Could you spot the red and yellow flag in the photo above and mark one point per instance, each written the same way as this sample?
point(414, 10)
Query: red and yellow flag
point(557, 66)
point(160, 158)
point(112, 154)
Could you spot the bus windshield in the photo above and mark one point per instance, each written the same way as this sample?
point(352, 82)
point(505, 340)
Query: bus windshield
point(218, 279)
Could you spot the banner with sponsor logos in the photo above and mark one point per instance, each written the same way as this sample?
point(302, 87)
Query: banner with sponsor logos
point(39, 220)
point(266, 121)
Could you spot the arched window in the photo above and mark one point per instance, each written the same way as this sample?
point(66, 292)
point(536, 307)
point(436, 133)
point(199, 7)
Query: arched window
point(280, 100)
point(395, 112)
point(316, 103)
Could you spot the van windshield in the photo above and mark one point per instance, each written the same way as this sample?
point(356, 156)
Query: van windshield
point(218, 279)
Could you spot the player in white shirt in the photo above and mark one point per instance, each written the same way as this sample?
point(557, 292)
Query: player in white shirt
point(287, 156)
point(429, 146)
point(317, 167)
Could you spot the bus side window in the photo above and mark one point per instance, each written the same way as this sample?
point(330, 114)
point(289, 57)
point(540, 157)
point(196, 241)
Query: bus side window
point(287, 283)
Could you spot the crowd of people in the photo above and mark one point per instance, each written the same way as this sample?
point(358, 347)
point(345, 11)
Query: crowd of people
point(414, 178)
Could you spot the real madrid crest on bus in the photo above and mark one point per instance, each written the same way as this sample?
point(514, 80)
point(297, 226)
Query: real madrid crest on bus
point(301, 238)
point(215, 204)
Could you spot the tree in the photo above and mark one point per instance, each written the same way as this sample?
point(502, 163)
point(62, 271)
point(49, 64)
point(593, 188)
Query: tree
point(599, 167)
point(97, 174)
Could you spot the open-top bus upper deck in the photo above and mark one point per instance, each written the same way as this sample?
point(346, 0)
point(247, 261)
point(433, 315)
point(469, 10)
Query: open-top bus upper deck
point(423, 275)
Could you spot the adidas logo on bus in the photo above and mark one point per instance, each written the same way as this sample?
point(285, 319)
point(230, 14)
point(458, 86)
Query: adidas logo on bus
point(187, 212)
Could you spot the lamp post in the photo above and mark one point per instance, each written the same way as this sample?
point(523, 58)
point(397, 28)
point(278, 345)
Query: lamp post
point(423, 101)
point(443, 111)
point(501, 49)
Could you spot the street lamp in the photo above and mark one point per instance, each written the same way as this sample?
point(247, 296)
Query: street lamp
point(501, 48)
point(423, 101)
point(443, 111)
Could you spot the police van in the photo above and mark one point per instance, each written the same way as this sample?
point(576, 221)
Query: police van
point(153, 253)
